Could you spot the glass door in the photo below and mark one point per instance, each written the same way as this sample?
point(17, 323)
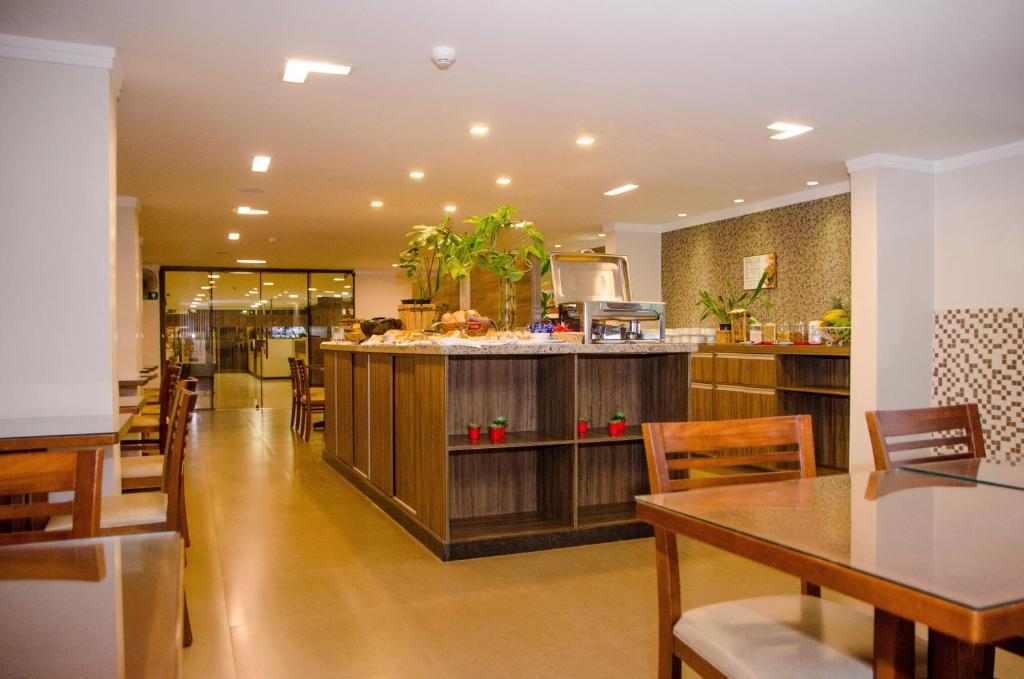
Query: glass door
point(237, 329)
point(283, 314)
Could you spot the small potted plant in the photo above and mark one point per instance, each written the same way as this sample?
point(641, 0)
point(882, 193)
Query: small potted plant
point(496, 429)
point(617, 423)
point(582, 423)
point(473, 429)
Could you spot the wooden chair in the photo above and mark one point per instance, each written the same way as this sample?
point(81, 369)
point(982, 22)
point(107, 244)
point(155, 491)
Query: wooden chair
point(146, 472)
point(311, 399)
point(296, 405)
point(917, 430)
point(771, 636)
point(27, 476)
point(149, 424)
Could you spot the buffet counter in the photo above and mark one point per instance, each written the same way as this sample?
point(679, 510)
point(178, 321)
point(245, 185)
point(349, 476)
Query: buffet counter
point(396, 421)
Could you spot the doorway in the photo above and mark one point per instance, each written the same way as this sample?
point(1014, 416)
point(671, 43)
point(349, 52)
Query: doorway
point(235, 330)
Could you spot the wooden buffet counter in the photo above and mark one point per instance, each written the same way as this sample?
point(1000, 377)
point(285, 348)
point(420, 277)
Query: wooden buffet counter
point(396, 428)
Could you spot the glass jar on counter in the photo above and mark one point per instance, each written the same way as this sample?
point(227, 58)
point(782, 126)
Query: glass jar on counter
point(784, 333)
point(756, 333)
point(798, 331)
point(769, 333)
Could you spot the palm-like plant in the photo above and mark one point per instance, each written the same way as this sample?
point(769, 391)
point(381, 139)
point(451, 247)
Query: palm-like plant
point(720, 307)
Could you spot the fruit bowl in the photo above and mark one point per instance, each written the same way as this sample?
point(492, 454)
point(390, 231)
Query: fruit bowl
point(836, 334)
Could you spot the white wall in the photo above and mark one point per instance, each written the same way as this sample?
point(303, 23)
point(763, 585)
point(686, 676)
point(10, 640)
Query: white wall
point(641, 243)
point(979, 236)
point(129, 289)
point(380, 291)
point(57, 189)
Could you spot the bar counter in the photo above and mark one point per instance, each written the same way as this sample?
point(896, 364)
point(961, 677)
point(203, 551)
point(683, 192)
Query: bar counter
point(395, 427)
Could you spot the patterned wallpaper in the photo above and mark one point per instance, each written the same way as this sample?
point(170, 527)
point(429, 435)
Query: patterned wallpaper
point(812, 241)
point(978, 357)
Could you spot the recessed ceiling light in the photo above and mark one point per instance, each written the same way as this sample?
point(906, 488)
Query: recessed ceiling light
point(268, 282)
point(738, 200)
point(558, 245)
point(584, 140)
point(246, 210)
point(601, 235)
point(341, 280)
point(251, 261)
point(296, 70)
point(260, 163)
point(479, 130)
point(206, 287)
point(337, 295)
point(449, 208)
point(502, 181)
point(328, 292)
point(215, 275)
point(416, 174)
point(377, 203)
point(681, 214)
point(234, 235)
point(312, 289)
point(787, 130)
point(347, 287)
point(293, 296)
point(621, 189)
point(812, 183)
point(394, 266)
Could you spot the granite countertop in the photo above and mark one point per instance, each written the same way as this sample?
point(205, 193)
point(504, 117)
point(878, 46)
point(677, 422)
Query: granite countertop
point(515, 349)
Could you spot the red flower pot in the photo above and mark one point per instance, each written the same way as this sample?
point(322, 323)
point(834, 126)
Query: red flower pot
point(581, 428)
point(622, 427)
point(614, 429)
point(497, 435)
point(474, 434)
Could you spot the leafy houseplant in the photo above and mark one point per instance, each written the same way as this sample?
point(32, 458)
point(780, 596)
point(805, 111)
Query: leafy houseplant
point(720, 307)
point(473, 430)
point(617, 424)
point(496, 429)
point(582, 423)
point(503, 246)
point(426, 259)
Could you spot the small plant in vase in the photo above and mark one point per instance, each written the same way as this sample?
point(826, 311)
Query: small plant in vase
point(582, 423)
point(473, 430)
point(496, 429)
point(617, 424)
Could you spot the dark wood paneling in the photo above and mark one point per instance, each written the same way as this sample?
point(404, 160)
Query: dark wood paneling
point(382, 423)
point(740, 403)
point(830, 416)
point(814, 371)
point(611, 473)
point(702, 402)
point(420, 439)
point(751, 370)
point(331, 403)
point(480, 389)
point(361, 412)
point(344, 405)
point(664, 387)
point(647, 388)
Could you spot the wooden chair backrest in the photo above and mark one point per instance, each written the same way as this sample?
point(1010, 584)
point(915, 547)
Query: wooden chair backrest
point(683, 447)
point(923, 429)
point(174, 458)
point(167, 385)
point(294, 373)
point(26, 476)
point(303, 378)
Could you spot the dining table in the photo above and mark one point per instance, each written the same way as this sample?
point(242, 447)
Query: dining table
point(1007, 471)
point(93, 608)
point(941, 551)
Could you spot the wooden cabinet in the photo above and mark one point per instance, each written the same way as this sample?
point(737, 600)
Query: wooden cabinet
point(543, 486)
point(745, 381)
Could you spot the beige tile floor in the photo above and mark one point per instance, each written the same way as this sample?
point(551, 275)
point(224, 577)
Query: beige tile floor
point(292, 573)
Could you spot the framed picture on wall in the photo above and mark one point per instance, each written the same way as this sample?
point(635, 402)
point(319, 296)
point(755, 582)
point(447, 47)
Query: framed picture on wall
point(754, 267)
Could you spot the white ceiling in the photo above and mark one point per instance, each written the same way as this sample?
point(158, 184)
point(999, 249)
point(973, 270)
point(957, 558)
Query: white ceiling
point(677, 93)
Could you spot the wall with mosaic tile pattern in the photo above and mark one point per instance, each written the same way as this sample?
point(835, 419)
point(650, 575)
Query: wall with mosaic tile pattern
point(812, 241)
point(978, 357)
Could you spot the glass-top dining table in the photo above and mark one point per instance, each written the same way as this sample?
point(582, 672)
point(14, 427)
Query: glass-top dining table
point(918, 547)
point(1007, 471)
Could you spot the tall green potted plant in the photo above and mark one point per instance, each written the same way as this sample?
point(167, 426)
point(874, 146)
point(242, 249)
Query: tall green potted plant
point(424, 259)
point(721, 306)
point(504, 246)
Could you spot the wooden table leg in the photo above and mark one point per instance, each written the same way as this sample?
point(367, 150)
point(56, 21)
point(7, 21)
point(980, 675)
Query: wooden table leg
point(894, 646)
point(952, 658)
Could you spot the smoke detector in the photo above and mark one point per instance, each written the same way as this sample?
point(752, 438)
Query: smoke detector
point(443, 57)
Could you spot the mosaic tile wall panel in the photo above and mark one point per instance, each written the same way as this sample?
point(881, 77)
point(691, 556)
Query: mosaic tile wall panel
point(978, 357)
point(812, 241)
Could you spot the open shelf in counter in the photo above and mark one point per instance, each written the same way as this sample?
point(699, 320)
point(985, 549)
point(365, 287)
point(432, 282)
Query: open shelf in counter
point(609, 475)
point(496, 492)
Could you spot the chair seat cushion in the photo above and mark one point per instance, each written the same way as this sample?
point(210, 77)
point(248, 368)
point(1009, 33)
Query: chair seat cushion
point(116, 511)
point(139, 467)
point(784, 636)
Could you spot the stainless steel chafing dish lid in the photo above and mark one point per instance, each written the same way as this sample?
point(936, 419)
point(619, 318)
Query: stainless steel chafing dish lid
point(584, 277)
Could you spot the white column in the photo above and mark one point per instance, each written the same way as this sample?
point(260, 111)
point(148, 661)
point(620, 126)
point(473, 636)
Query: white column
point(641, 243)
point(892, 300)
point(129, 289)
point(57, 189)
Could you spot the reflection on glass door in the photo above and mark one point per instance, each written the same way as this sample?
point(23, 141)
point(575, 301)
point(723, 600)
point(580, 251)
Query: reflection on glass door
point(236, 330)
